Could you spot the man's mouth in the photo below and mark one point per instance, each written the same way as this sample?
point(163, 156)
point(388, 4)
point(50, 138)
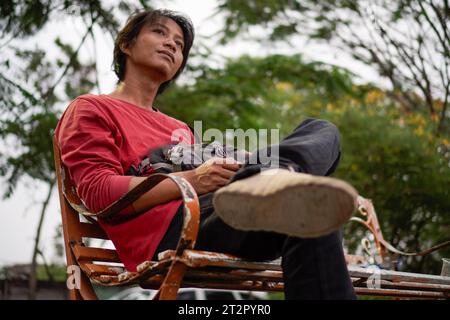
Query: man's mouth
point(168, 54)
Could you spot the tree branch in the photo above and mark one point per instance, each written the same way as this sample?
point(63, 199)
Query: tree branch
point(33, 276)
point(410, 62)
point(71, 59)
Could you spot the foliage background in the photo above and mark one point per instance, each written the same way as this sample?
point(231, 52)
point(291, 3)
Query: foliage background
point(395, 134)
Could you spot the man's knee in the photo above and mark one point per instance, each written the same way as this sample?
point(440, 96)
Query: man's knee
point(327, 125)
point(323, 128)
point(321, 124)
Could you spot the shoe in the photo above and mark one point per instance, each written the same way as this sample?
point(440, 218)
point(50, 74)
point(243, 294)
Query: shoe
point(282, 201)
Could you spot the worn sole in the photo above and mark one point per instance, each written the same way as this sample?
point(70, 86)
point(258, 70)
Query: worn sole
point(291, 203)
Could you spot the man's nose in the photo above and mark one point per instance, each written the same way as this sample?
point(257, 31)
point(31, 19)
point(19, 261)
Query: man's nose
point(170, 43)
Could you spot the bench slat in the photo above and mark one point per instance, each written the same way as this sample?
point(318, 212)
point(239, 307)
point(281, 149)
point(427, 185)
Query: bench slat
point(95, 254)
point(90, 230)
point(399, 293)
point(194, 258)
point(384, 284)
point(99, 269)
point(233, 275)
point(397, 276)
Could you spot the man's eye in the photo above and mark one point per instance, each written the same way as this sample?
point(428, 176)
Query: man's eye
point(179, 44)
point(160, 31)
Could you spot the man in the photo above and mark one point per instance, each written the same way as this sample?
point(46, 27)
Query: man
point(247, 211)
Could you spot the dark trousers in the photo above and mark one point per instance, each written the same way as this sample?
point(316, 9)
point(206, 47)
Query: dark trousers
point(313, 268)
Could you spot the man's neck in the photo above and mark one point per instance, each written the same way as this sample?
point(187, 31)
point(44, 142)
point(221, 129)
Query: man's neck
point(140, 92)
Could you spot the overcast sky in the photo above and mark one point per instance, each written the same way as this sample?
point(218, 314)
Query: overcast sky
point(19, 215)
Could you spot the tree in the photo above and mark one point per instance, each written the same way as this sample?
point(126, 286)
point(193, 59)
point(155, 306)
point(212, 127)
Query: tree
point(395, 163)
point(32, 87)
point(389, 157)
point(407, 40)
point(253, 92)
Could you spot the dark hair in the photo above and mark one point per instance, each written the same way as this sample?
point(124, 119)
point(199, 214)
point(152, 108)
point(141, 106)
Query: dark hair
point(131, 30)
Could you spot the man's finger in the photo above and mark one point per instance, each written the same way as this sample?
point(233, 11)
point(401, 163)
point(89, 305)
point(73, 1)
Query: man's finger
point(222, 181)
point(232, 166)
point(227, 163)
point(225, 173)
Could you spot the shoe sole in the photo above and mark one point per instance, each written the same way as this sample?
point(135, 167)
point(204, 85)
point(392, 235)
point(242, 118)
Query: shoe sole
point(291, 203)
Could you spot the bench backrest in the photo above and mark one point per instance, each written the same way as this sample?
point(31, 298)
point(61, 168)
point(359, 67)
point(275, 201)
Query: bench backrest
point(78, 235)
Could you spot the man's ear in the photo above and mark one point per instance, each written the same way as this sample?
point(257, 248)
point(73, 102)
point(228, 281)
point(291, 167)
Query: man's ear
point(125, 48)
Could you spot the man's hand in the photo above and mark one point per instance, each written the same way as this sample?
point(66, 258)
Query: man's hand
point(211, 175)
point(208, 177)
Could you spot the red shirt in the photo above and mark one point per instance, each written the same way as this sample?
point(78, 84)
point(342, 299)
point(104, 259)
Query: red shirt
point(100, 138)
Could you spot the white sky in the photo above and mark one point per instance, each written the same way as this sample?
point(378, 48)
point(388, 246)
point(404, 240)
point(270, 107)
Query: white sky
point(19, 215)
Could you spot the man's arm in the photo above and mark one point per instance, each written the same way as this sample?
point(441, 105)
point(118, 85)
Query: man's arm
point(208, 177)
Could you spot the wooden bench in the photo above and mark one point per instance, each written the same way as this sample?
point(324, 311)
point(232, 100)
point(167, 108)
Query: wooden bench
point(185, 267)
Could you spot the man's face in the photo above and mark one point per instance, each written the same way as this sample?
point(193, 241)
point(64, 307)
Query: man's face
point(158, 49)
